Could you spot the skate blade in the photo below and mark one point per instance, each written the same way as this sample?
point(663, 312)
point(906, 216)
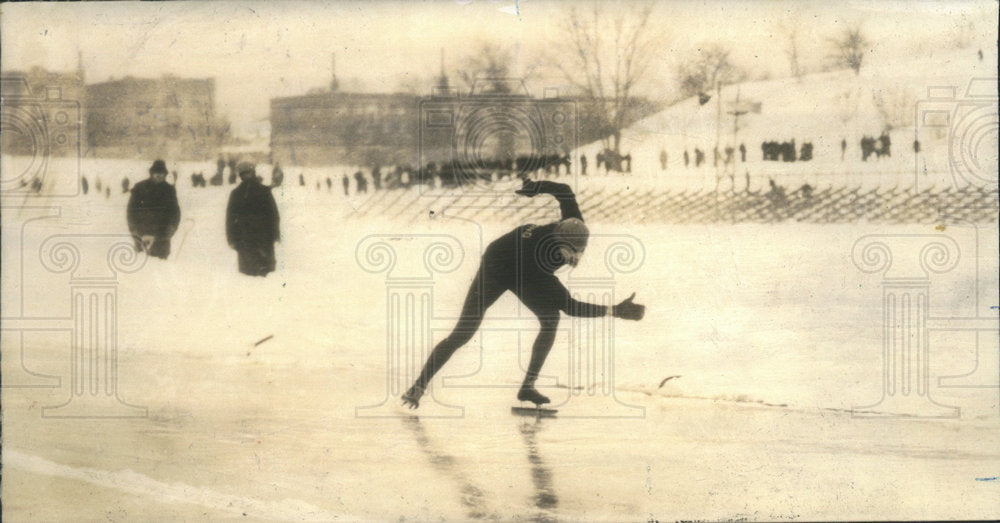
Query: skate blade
point(538, 412)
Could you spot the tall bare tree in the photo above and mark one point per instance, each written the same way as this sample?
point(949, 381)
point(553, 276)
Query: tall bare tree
point(710, 68)
point(791, 28)
point(495, 66)
point(850, 47)
point(605, 55)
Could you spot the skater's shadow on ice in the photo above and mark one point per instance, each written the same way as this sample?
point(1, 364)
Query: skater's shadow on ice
point(472, 497)
point(541, 476)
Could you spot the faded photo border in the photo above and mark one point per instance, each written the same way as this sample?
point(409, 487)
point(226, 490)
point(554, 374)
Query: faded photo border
point(811, 313)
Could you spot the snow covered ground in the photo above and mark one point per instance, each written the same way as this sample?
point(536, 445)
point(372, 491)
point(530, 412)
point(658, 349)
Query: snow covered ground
point(774, 331)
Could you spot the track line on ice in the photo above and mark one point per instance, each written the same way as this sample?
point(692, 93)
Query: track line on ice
point(135, 483)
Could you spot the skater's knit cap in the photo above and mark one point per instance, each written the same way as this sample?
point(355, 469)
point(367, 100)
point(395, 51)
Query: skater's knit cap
point(159, 166)
point(574, 232)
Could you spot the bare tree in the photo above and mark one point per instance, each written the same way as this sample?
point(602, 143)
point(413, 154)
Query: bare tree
point(709, 69)
point(605, 55)
point(791, 27)
point(497, 66)
point(850, 47)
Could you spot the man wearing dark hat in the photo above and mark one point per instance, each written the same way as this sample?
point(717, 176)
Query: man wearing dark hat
point(252, 223)
point(523, 261)
point(153, 212)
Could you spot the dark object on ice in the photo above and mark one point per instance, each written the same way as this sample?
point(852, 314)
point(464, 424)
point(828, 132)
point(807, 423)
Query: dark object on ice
point(523, 261)
point(262, 340)
point(252, 223)
point(153, 213)
point(668, 378)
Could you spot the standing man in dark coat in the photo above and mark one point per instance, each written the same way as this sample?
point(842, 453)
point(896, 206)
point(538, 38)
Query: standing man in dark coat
point(153, 212)
point(252, 223)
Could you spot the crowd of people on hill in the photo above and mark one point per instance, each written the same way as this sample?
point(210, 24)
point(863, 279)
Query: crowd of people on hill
point(881, 146)
point(774, 151)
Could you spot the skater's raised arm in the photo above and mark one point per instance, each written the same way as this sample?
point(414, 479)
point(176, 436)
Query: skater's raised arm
point(562, 192)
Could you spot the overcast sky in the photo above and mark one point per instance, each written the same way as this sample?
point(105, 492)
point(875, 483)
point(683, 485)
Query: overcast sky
point(258, 50)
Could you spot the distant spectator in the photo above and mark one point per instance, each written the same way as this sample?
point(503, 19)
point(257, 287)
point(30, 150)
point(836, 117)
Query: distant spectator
point(126, 183)
point(687, 159)
point(843, 148)
point(84, 185)
point(359, 178)
point(232, 170)
point(743, 153)
point(329, 184)
point(699, 157)
point(277, 175)
point(153, 212)
point(807, 152)
point(252, 223)
point(583, 164)
point(663, 159)
point(377, 178)
point(302, 180)
point(884, 146)
point(916, 150)
point(807, 191)
point(346, 182)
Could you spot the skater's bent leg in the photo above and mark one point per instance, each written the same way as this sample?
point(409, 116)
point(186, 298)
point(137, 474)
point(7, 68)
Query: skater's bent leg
point(539, 352)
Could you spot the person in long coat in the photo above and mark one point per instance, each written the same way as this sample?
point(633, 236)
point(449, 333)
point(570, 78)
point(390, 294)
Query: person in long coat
point(153, 213)
point(252, 223)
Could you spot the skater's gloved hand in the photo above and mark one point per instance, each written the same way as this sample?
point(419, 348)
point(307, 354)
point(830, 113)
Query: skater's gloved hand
point(529, 188)
point(627, 310)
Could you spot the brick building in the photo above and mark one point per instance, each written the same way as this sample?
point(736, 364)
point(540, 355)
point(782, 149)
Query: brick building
point(329, 128)
point(166, 117)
